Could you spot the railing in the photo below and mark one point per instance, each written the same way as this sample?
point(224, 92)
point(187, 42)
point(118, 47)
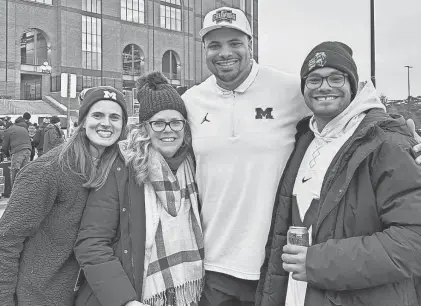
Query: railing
point(8, 103)
point(34, 61)
point(132, 72)
point(172, 76)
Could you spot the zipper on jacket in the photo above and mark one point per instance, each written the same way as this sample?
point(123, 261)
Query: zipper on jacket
point(233, 127)
point(130, 235)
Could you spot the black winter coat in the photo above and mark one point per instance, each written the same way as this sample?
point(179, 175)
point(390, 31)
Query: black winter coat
point(367, 237)
point(15, 139)
point(111, 242)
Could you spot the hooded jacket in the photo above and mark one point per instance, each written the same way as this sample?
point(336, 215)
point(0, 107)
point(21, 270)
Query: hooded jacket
point(367, 233)
point(39, 137)
point(16, 138)
point(52, 137)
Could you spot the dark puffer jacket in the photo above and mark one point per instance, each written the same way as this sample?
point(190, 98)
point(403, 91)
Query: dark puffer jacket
point(111, 242)
point(37, 233)
point(367, 237)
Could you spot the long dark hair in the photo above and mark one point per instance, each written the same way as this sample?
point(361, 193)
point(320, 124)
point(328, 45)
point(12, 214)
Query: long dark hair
point(75, 156)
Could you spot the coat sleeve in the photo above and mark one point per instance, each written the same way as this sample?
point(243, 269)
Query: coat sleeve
point(271, 289)
point(37, 137)
point(47, 142)
point(103, 270)
point(389, 256)
point(32, 198)
point(6, 144)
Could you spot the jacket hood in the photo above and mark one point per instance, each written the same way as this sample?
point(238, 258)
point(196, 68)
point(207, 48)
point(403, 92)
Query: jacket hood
point(22, 124)
point(365, 100)
point(50, 126)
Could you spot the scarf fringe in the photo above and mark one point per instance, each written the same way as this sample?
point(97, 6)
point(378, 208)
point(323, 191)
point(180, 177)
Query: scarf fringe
point(185, 294)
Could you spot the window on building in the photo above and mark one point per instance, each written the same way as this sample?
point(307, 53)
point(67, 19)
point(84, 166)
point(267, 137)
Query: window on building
point(91, 43)
point(170, 12)
point(133, 10)
point(171, 65)
point(33, 48)
point(93, 6)
point(90, 81)
point(133, 60)
point(55, 83)
point(50, 2)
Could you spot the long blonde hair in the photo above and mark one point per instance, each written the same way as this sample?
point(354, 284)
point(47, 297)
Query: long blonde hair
point(76, 157)
point(137, 149)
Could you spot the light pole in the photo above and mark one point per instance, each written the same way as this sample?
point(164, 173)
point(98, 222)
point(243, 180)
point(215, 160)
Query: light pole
point(46, 70)
point(373, 44)
point(409, 89)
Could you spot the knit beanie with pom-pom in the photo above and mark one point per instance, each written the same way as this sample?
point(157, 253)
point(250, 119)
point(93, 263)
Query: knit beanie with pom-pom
point(156, 94)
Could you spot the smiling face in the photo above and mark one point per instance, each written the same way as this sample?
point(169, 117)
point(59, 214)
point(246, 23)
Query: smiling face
point(166, 142)
point(327, 102)
point(103, 124)
point(228, 53)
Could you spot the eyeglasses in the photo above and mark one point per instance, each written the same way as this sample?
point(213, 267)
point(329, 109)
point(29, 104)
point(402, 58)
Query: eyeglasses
point(334, 80)
point(175, 125)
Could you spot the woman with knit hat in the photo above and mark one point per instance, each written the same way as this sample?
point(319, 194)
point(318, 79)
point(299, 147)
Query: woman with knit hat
point(140, 240)
point(40, 224)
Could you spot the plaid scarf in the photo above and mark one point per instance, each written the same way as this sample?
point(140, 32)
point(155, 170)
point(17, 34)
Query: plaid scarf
point(174, 249)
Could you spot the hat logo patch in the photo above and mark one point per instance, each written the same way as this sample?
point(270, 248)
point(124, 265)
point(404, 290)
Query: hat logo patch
point(224, 15)
point(318, 60)
point(110, 95)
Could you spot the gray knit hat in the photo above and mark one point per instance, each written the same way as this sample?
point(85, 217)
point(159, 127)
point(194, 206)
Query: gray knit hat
point(333, 54)
point(155, 94)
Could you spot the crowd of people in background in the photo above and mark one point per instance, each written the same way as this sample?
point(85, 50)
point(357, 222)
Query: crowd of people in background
point(22, 141)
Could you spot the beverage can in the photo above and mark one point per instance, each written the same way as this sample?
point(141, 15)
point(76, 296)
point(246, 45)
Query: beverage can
point(298, 235)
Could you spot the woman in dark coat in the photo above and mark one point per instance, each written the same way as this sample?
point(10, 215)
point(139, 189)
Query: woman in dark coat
point(39, 226)
point(140, 240)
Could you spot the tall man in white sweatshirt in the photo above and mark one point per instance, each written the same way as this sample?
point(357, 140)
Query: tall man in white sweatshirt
point(243, 121)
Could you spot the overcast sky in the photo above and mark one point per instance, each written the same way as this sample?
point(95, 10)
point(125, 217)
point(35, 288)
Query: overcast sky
point(289, 29)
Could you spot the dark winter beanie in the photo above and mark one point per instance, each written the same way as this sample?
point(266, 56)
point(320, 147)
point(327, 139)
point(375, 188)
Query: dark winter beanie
point(54, 120)
point(26, 116)
point(332, 54)
point(155, 94)
point(90, 96)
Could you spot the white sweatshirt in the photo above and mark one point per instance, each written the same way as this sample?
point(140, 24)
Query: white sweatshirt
point(242, 140)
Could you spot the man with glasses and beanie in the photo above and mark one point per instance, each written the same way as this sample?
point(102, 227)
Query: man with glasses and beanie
point(353, 182)
point(243, 120)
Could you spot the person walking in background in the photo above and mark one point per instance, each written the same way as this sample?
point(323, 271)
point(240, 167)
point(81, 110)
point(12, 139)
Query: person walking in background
point(40, 224)
point(8, 122)
point(140, 240)
point(39, 137)
point(27, 116)
point(32, 131)
point(53, 135)
point(353, 182)
point(17, 144)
